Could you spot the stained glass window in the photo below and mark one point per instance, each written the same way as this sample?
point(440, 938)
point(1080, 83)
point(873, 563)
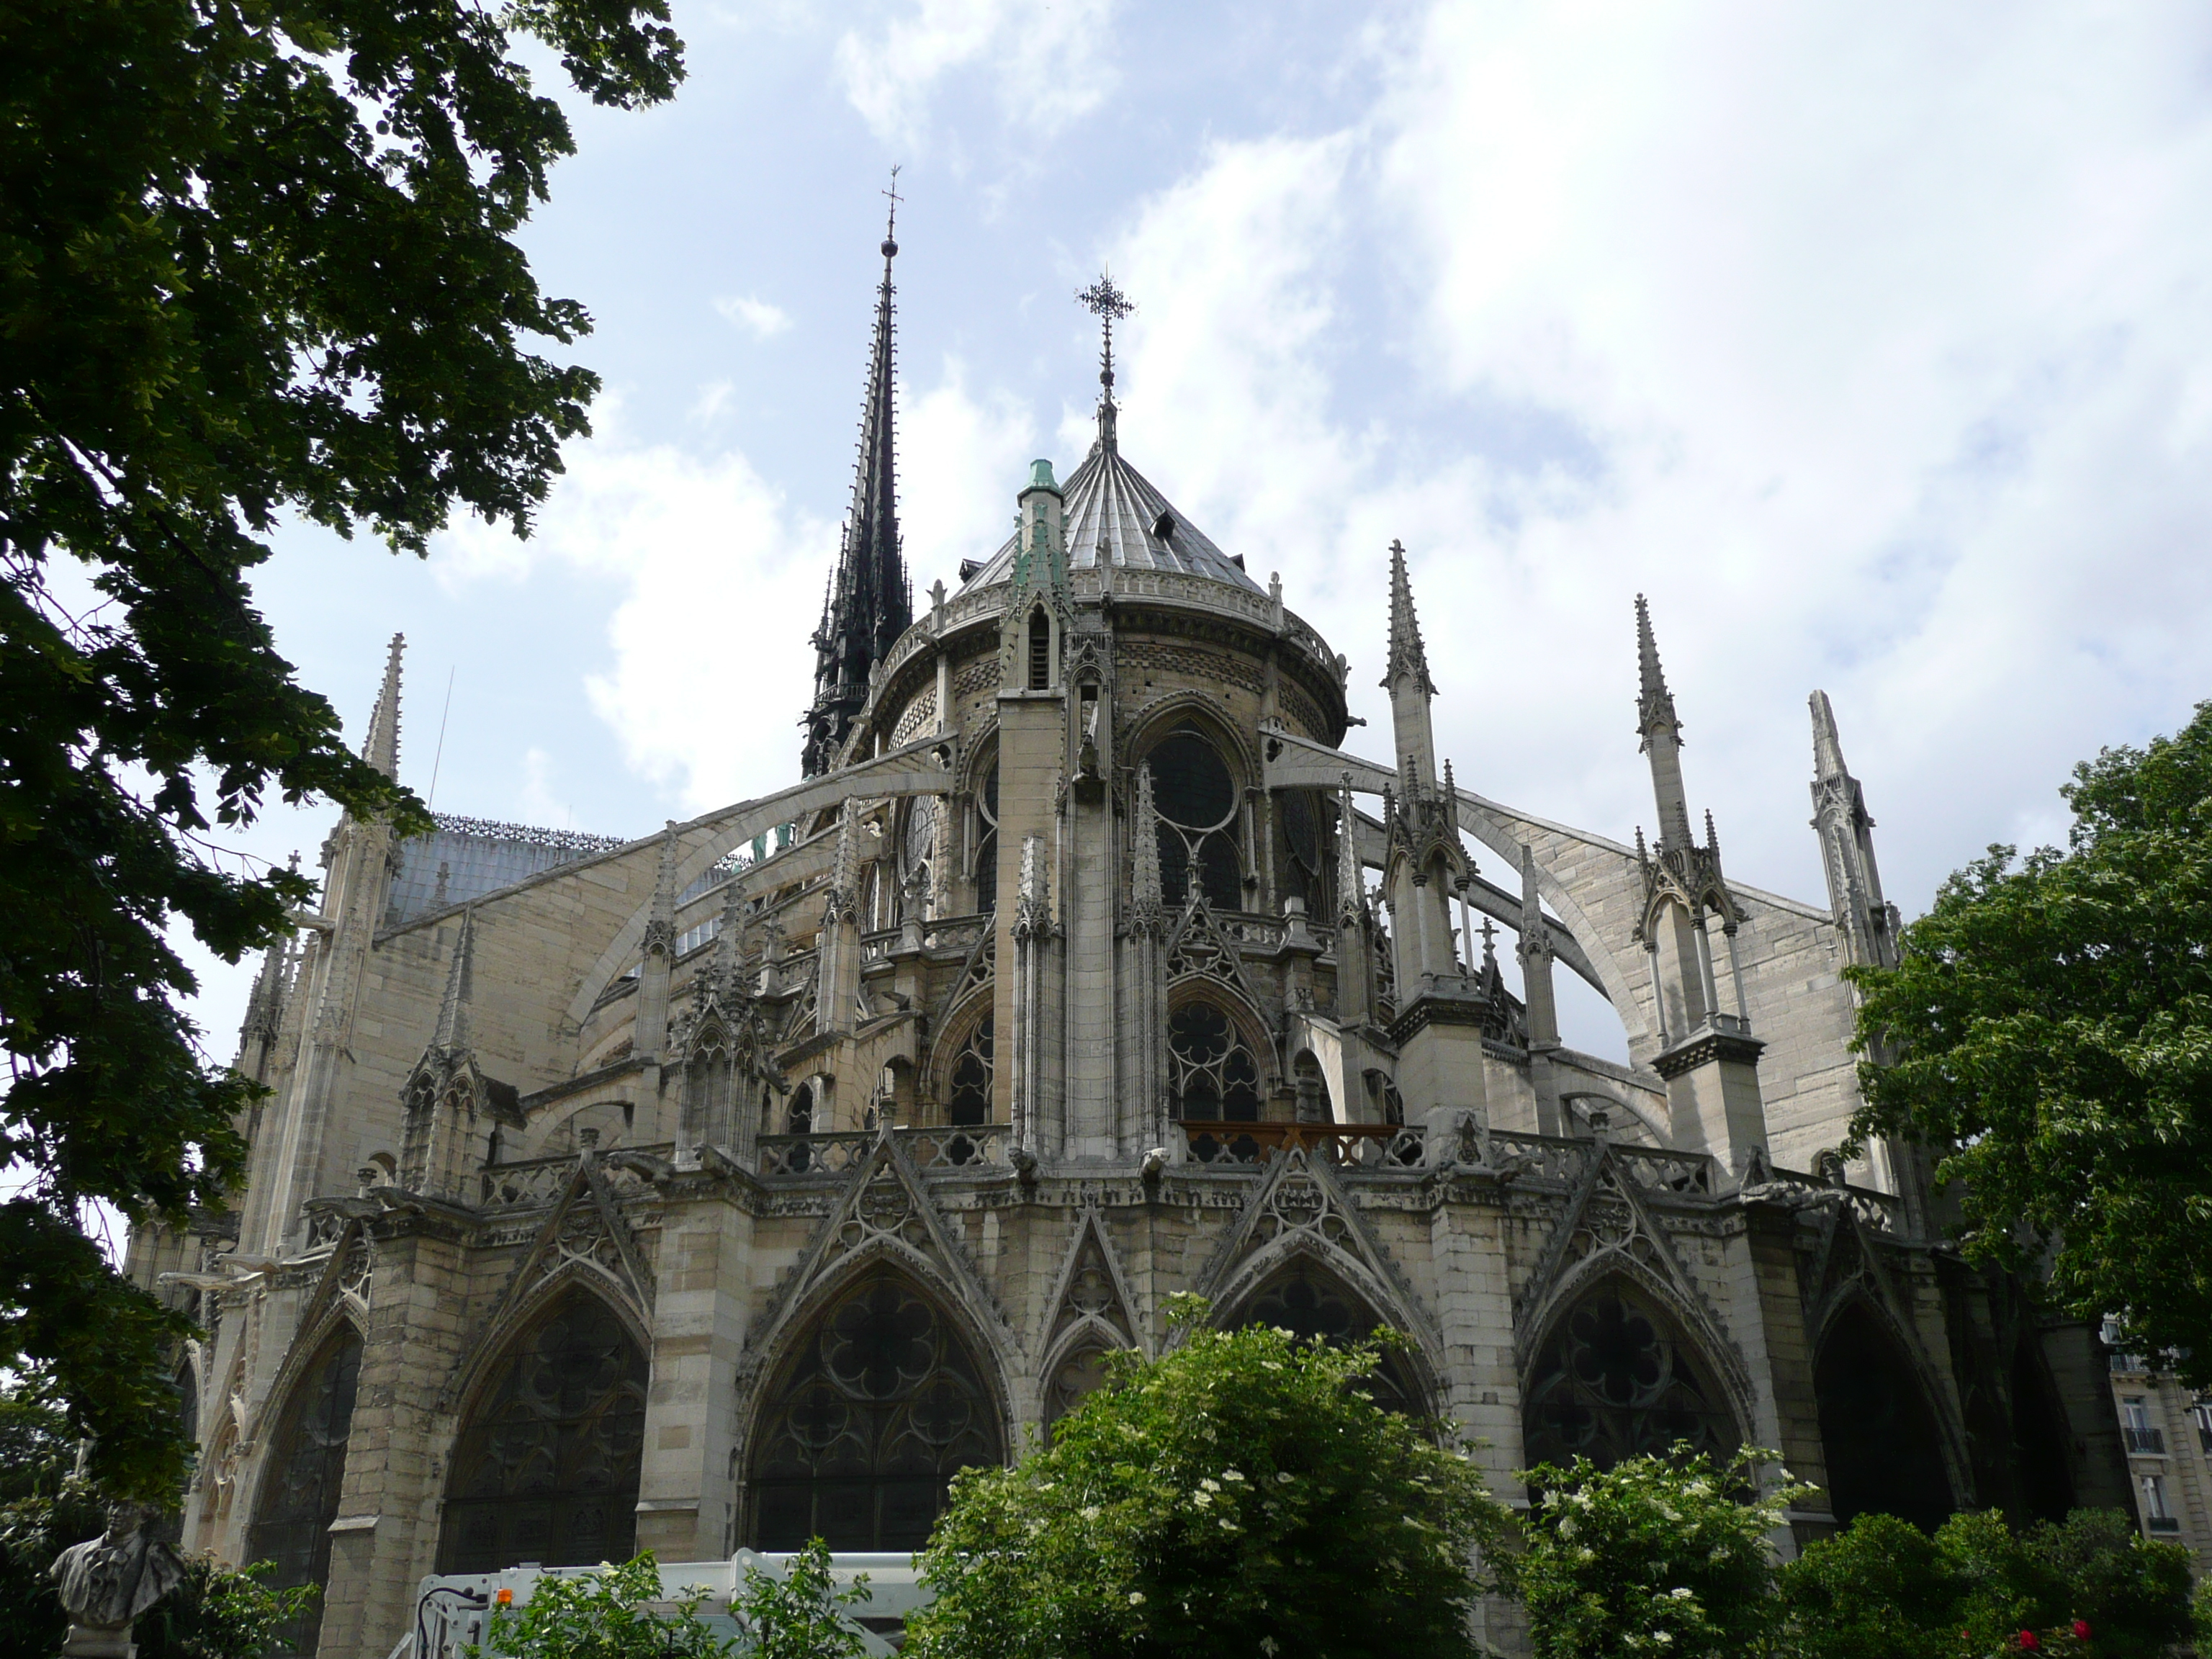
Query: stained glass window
point(878, 1406)
point(300, 1488)
point(1213, 1075)
point(1196, 800)
point(1311, 1305)
point(1615, 1380)
point(986, 841)
point(546, 1469)
point(1882, 1450)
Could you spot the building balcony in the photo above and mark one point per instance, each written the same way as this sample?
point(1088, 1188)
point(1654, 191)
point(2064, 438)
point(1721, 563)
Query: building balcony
point(2146, 1443)
point(2163, 1523)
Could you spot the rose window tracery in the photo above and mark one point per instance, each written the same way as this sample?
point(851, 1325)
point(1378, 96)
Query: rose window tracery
point(1614, 1380)
point(546, 1469)
point(879, 1406)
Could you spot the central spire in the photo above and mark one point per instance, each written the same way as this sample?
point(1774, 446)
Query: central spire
point(1108, 304)
point(869, 604)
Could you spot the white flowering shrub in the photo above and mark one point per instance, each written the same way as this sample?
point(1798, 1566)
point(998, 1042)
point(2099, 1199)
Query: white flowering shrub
point(1242, 1495)
point(1658, 1556)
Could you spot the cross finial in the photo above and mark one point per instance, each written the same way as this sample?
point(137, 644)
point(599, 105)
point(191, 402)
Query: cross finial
point(891, 226)
point(1108, 304)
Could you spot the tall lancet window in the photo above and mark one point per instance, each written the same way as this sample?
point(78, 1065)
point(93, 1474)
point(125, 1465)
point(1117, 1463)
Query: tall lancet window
point(1040, 651)
point(986, 841)
point(1196, 800)
point(300, 1486)
point(546, 1468)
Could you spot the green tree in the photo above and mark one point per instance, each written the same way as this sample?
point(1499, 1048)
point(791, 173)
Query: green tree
point(1241, 1494)
point(802, 1615)
point(256, 258)
point(217, 1612)
point(1883, 1589)
point(1656, 1555)
point(614, 1613)
point(2051, 1029)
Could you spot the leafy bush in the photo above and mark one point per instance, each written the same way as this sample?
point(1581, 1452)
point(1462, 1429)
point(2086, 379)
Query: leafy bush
point(801, 1615)
point(219, 1614)
point(614, 1613)
point(1884, 1589)
point(1243, 1493)
point(1656, 1555)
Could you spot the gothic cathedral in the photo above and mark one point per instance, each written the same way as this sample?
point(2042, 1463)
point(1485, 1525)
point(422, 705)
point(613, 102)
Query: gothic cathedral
point(741, 1184)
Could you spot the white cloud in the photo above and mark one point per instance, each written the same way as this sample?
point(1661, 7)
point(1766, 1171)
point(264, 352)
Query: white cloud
point(1871, 345)
point(712, 401)
point(757, 317)
point(1043, 62)
point(721, 579)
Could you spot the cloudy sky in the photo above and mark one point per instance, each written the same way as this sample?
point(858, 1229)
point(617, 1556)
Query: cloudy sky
point(1869, 340)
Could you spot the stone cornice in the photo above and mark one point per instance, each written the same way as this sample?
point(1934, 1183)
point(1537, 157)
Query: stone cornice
point(1703, 1048)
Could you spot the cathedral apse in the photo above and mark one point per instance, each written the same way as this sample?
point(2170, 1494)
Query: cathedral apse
point(743, 1182)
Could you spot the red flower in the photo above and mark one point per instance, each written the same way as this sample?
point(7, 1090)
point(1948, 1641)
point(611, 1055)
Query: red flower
point(2029, 1641)
point(2081, 1630)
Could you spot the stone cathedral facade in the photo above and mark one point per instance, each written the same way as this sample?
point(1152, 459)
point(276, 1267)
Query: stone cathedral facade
point(743, 1183)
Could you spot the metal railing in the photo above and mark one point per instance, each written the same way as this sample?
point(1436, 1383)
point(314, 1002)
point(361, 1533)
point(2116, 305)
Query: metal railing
point(2149, 1442)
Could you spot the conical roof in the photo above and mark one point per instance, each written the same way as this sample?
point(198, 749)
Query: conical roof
point(1114, 516)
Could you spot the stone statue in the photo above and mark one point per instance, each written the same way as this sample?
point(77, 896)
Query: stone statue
point(106, 1581)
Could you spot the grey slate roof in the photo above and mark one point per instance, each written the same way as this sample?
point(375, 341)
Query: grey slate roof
point(1113, 516)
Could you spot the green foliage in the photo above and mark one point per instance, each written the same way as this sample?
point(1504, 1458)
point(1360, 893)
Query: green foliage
point(218, 1613)
point(255, 260)
point(1884, 1589)
point(801, 1615)
point(614, 1613)
point(2050, 1027)
point(42, 1511)
point(1243, 1493)
point(1656, 1555)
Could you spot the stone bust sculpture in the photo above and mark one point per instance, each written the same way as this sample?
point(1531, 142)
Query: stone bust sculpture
point(106, 1581)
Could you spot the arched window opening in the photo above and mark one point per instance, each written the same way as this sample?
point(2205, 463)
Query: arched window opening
point(1312, 1089)
point(1074, 1380)
point(1615, 1380)
point(1315, 1307)
point(301, 1484)
point(987, 842)
point(709, 1081)
point(546, 1468)
point(799, 1118)
point(1299, 811)
point(1040, 650)
point(2041, 1446)
point(1213, 1075)
point(1196, 800)
point(918, 848)
point(1883, 1453)
point(967, 1099)
point(877, 1407)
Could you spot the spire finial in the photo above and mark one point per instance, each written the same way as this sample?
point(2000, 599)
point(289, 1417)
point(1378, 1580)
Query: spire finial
point(1654, 704)
point(1108, 304)
point(452, 1010)
point(1828, 746)
point(1408, 654)
point(868, 603)
point(380, 747)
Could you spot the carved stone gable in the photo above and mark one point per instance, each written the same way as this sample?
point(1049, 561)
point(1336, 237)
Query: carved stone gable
point(885, 1210)
point(1091, 1291)
point(1299, 1205)
point(1199, 946)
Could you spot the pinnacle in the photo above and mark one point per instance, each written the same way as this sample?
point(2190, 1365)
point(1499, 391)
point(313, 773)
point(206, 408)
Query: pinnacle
point(1654, 704)
point(1408, 653)
point(381, 748)
point(1828, 746)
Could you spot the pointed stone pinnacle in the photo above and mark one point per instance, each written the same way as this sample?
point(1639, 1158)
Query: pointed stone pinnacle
point(1351, 897)
point(1145, 880)
point(1406, 654)
point(1828, 746)
point(381, 748)
point(452, 1010)
point(1655, 705)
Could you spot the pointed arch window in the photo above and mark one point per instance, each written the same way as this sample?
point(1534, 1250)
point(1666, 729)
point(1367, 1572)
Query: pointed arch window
point(1213, 1075)
point(1040, 650)
point(1312, 1305)
point(546, 1468)
point(1195, 798)
point(1883, 1454)
point(986, 841)
point(1615, 1379)
point(968, 1096)
point(876, 1407)
point(302, 1481)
